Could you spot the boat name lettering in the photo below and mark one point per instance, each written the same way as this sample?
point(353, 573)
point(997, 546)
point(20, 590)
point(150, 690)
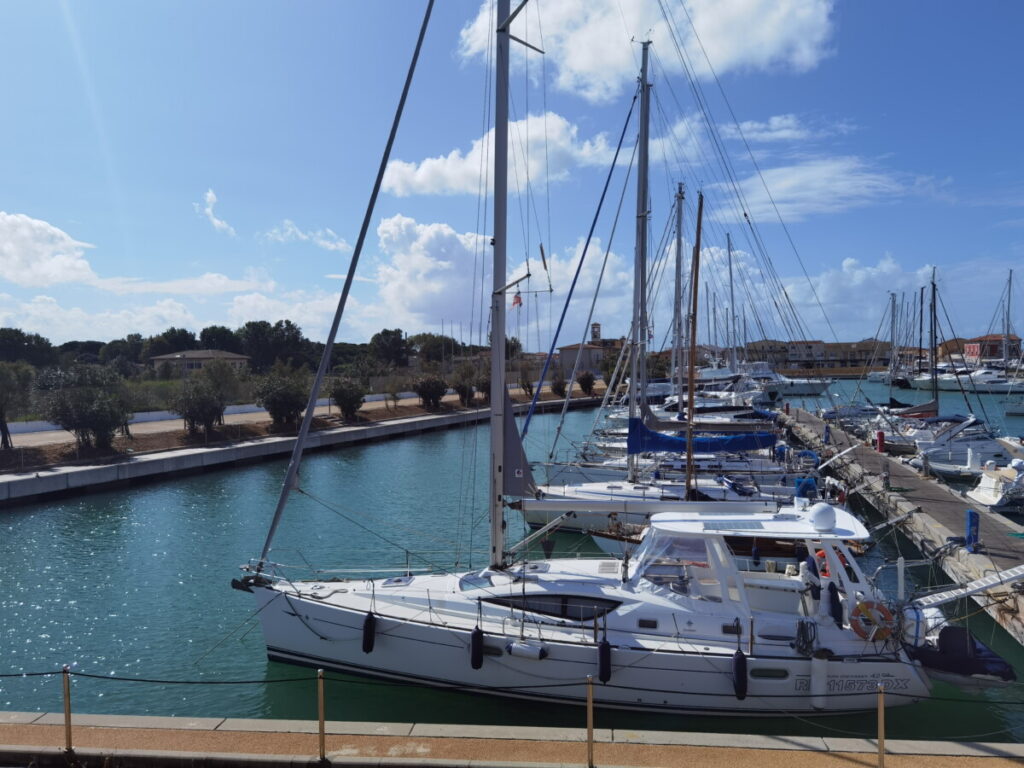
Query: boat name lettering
point(857, 685)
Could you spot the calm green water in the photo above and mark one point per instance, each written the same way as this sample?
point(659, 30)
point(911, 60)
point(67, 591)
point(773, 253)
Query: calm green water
point(135, 584)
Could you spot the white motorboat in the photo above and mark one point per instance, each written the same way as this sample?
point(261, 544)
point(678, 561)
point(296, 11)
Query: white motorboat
point(1000, 486)
point(968, 444)
point(705, 489)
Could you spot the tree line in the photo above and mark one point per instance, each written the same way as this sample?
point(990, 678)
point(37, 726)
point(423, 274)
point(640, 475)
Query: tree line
point(93, 388)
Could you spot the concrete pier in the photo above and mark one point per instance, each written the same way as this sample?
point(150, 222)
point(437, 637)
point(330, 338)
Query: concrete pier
point(929, 513)
point(37, 738)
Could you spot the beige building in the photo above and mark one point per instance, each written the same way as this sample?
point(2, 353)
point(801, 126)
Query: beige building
point(805, 353)
point(857, 354)
point(192, 360)
point(590, 359)
point(770, 351)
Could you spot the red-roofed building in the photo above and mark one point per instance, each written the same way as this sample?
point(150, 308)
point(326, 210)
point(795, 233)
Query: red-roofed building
point(990, 347)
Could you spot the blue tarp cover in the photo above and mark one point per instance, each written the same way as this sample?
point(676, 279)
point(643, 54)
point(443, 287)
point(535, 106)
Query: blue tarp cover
point(641, 439)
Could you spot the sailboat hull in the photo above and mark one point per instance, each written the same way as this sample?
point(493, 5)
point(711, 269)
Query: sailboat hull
point(678, 676)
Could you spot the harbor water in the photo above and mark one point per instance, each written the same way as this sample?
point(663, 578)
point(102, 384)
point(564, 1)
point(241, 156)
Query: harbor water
point(130, 588)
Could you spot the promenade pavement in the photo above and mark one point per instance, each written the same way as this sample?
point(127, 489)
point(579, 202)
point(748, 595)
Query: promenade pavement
point(127, 741)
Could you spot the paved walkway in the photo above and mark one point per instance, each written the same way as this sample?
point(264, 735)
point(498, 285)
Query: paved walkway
point(375, 409)
point(127, 741)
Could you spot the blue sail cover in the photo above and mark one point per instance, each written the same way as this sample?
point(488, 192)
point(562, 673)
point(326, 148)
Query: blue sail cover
point(641, 439)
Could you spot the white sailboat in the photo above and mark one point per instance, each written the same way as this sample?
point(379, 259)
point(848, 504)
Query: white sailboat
point(679, 627)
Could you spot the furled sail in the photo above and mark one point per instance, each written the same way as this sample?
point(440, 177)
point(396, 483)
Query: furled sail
point(641, 440)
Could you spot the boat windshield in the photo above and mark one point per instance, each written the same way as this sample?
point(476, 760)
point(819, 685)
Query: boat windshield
point(667, 556)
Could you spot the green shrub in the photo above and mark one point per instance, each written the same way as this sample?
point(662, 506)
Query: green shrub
point(283, 392)
point(558, 382)
point(586, 382)
point(430, 391)
point(347, 394)
point(91, 401)
point(199, 404)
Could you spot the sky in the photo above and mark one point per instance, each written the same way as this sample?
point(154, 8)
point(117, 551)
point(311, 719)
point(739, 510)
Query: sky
point(196, 163)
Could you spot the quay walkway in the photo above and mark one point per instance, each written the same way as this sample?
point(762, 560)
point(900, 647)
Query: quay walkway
point(39, 739)
point(21, 487)
point(930, 513)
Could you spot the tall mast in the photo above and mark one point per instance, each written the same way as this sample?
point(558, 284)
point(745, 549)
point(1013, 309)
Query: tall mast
point(935, 347)
point(731, 322)
point(892, 335)
point(920, 326)
point(677, 300)
point(497, 514)
point(691, 383)
point(714, 318)
point(1006, 323)
point(640, 262)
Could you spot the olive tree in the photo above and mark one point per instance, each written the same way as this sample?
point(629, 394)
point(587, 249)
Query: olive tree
point(283, 392)
point(430, 390)
point(89, 401)
point(465, 376)
point(15, 392)
point(347, 394)
point(586, 382)
point(199, 404)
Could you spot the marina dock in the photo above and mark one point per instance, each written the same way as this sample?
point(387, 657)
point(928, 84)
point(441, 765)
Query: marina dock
point(931, 514)
point(37, 738)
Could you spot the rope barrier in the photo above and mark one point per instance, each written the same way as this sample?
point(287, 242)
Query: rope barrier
point(456, 686)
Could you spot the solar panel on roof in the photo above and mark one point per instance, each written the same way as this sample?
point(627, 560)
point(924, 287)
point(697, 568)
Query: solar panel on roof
point(734, 525)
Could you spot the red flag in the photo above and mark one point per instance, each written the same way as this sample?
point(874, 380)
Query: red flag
point(517, 300)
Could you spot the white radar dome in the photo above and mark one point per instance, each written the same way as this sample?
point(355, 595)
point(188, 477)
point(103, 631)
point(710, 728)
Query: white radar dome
point(823, 517)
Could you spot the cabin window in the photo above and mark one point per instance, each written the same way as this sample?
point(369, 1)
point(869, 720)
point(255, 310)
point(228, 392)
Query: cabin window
point(397, 581)
point(769, 673)
point(475, 581)
point(647, 623)
point(571, 607)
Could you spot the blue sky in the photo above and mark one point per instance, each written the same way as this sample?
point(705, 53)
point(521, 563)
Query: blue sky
point(192, 163)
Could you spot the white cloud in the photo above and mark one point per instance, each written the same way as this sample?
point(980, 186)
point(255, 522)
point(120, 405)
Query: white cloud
point(288, 232)
point(782, 128)
point(208, 284)
point(459, 173)
point(681, 146)
point(588, 42)
point(430, 273)
point(312, 311)
point(36, 253)
point(206, 209)
point(45, 316)
point(818, 185)
point(427, 272)
point(776, 128)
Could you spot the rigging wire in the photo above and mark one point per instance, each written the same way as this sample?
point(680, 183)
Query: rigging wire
point(597, 291)
point(579, 266)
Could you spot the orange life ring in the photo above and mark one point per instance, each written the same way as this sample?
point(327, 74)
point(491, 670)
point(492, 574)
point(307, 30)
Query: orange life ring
point(872, 621)
point(822, 561)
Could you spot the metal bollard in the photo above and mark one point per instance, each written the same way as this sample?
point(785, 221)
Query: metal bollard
point(66, 674)
point(590, 721)
point(881, 726)
point(320, 712)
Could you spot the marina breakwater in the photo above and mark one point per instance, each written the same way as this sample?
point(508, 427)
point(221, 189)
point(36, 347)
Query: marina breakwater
point(931, 514)
point(16, 488)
